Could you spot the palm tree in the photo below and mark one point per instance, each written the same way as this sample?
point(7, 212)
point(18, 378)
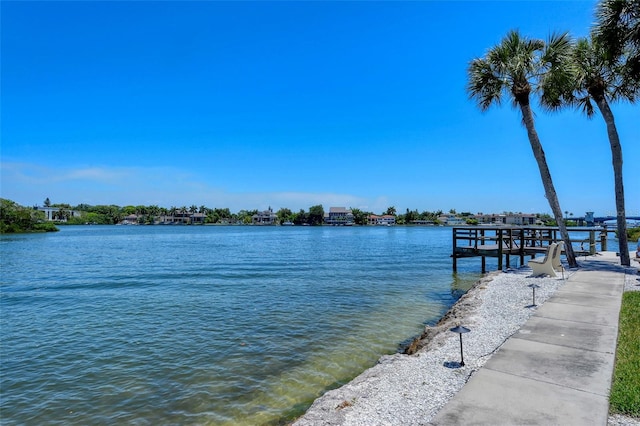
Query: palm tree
point(509, 69)
point(616, 41)
point(164, 212)
point(153, 211)
point(618, 30)
point(183, 212)
point(598, 79)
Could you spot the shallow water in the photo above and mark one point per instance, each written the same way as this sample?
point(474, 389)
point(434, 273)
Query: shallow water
point(208, 325)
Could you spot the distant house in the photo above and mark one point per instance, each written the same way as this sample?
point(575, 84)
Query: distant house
point(267, 217)
point(181, 217)
point(198, 217)
point(452, 219)
point(422, 222)
point(507, 219)
point(131, 219)
point(383, 220)
point(57, 214)
point(338, 216)
point(163, 220)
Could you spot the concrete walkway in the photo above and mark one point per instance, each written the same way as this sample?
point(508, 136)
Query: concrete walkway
point(557, 369)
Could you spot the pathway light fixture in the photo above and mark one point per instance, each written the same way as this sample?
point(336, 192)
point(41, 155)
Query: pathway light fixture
point(460, 330)
point(533, 287)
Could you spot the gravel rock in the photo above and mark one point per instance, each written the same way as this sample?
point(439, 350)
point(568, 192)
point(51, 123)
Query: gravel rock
point(619, 420)
point(410, 389)
point(632, 277)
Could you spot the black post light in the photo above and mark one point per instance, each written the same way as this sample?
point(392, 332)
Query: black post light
point(534, 286)
point(460, 330)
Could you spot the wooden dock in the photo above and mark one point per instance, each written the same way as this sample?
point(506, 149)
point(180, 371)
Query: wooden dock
point(506, 241)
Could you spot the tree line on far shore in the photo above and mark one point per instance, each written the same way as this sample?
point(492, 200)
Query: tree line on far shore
point(14, 217)
point(114, 214)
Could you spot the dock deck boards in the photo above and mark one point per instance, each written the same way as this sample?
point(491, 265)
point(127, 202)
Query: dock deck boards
point(498, 241)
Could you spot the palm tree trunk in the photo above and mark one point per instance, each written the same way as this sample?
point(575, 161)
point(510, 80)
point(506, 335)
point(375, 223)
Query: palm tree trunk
point(545, 174)
point(616, 157)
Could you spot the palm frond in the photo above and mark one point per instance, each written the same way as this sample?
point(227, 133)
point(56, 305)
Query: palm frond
point(608, 29)
point(484, 84)
point(557, 49)
point(617, 30)
point(618, 23)
point(600, 76)
point(586, 105)
point(556, 81)
point(507, 68)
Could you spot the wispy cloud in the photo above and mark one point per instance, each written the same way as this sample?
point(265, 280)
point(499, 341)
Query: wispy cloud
point(30, 184)
point(98, 174)
point(34, 174)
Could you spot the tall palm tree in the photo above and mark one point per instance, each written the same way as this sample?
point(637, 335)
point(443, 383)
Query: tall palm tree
point(512, 68)
point(617, 34)
point(598, 79)
point(618, 30)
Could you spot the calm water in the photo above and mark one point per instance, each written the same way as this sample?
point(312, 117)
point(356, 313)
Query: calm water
point(208, 325)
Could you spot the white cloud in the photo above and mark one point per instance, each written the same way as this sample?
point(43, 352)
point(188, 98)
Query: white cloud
point(30, 184)
point(97, 174)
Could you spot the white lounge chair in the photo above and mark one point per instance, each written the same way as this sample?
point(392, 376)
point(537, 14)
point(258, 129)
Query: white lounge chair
point(555, 260)
point(545, 266)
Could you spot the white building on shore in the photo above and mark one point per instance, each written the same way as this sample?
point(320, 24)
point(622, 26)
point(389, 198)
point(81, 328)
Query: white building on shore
point(451, 219)
point(381, 220)
point(57, 214)
point(518, 219)
point(338, 216)
point(266, 217)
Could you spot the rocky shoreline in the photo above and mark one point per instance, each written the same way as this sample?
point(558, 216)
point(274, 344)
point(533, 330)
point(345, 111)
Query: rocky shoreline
point(411, 388)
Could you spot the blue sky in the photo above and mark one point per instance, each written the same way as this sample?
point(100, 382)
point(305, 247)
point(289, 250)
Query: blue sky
point(288, 104)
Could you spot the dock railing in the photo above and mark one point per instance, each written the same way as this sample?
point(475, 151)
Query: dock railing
point(506, 241)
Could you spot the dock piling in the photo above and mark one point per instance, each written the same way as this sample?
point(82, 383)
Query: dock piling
point(503, 240)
